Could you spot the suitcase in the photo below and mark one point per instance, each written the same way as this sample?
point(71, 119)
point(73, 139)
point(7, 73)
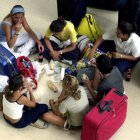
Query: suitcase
point(89, 27)
point(105, 118)
point(72, 10)
point(8, 64)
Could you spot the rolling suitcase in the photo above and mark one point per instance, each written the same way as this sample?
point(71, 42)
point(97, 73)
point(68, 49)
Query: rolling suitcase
point(105, 118)
point(8, 64)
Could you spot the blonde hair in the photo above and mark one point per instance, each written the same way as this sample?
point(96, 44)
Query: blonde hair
point(71, 84)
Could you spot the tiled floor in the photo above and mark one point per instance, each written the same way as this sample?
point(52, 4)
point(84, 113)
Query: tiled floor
point(39, 14)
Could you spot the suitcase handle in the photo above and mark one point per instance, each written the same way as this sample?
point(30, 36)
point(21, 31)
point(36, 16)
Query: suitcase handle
point(104, 105)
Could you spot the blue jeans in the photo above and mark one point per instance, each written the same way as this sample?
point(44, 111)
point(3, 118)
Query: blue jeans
point(122, 64)
point(30, 115)
point(72, 55)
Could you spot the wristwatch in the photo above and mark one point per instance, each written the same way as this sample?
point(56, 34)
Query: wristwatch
point(16, 34)
point(60, 52)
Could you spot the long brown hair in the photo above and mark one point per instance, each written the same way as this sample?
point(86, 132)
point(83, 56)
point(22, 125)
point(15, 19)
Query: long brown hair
point(71, 83)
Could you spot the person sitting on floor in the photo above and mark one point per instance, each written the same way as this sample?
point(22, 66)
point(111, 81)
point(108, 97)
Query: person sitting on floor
point(71, 107)
point(20, 44)
point(106, 77)
point(126, 50)
point(62, 31)
point(19, 110)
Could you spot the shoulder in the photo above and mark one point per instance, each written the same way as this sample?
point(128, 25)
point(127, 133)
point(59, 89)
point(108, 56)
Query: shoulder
point(7, 21)
point(134, 36)
point(115, 71)
point(69, 25)
point(109, 35)
point(134, 40)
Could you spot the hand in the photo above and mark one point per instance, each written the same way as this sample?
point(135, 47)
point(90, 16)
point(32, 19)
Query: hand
point(55, 55)
point(40, 47)
point(90, 56)
point(109, 54)
point(53, 104)
point(56, 103)
point(116, 55)
point(87, 83)
point(92, 62)
point(27, 84)
point(17, 27)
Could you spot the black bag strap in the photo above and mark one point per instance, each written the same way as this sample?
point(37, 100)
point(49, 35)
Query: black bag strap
point(8, 60)
point(90, 22)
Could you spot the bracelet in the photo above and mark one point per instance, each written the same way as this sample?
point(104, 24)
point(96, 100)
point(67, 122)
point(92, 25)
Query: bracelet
point(121, 56)
point(95, 91)
point(60, 52)
point(16, 34)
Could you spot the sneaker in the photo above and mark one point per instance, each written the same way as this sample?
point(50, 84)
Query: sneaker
point(40, 124)
point(127, 75)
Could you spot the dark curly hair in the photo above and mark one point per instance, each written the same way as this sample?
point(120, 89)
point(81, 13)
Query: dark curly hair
point(104, 64)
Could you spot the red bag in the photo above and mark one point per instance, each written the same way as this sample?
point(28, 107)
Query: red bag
point(26, 68)
point(105, 118)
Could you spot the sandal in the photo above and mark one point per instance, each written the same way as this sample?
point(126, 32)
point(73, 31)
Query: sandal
point(39, 124)
point(128, 75)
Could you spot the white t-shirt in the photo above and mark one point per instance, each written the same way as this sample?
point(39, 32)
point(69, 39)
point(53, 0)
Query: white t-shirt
point(76, 109)
point(12, 109)
point(131, 46)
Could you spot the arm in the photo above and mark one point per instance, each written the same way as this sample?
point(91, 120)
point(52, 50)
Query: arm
point(55, 54)
point(62, 97)
point(118, 55)
point(96, 45)
point(55, 107)
point(8, 29)
point(93, 86)
point(55, 104)
point(32, 34)
point(30, 102)
point(72, 35)
point(70, 48)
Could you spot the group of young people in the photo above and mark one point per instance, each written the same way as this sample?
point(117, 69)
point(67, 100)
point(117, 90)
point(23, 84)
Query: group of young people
point(19, 110)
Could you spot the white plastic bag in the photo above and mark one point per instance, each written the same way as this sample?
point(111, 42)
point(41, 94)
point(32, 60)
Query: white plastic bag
point(38, 68)
point(3, 82)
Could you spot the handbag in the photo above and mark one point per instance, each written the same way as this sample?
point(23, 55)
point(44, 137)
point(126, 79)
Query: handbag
point(26, 68)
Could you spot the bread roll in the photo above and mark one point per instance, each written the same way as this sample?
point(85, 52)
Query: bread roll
point(52, 86)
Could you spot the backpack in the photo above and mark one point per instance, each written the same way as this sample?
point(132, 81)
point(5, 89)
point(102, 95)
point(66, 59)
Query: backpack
point(26, 68)
point(89, 27)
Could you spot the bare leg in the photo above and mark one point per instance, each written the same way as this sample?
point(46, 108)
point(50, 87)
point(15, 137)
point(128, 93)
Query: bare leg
point(54, 119)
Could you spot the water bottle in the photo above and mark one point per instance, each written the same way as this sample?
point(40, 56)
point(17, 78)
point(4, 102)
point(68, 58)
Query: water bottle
point(57, 72)
point(40, 57)
point(25, 63)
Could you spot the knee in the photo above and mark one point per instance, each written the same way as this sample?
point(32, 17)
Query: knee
point(42, 107)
